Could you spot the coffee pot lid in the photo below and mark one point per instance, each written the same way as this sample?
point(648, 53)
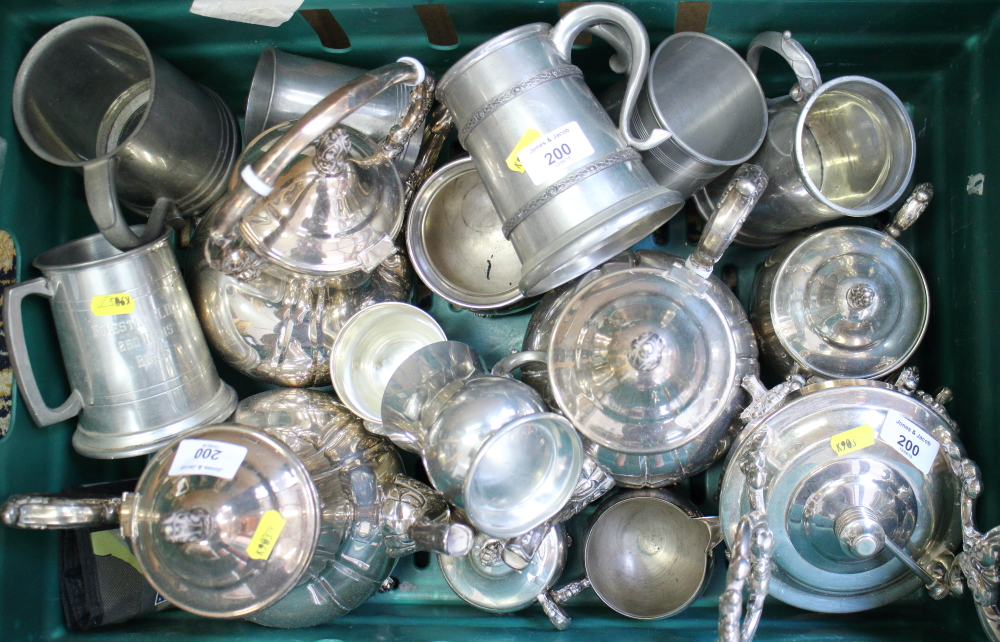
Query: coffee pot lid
point(224, 521)
point(336, 209)
point(849, 302)
point(483, 579)
point(643, 358)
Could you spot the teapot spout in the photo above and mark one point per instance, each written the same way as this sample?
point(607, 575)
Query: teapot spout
point(415, 517)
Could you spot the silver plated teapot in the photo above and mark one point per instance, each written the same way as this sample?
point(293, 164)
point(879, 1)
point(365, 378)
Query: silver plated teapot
point(846, 489)
point(646, 354)
point(290, 524)
point(843, 302)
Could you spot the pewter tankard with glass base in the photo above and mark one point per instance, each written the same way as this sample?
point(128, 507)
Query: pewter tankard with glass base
point(570, 188)
point(843, 302)
point(300, 523)
point(90, 95)
point(136, 359)
point(845, 147)
point(855, 481)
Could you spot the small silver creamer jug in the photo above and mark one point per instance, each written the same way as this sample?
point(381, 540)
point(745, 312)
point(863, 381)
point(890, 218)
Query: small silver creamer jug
point(569, 187)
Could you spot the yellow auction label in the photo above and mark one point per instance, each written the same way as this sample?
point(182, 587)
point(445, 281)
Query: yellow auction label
point(266, 535)
point(529, 137)
point(852, 440)
point(104, 305)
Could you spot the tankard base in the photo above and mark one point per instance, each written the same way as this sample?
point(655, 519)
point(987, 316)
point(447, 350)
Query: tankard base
point(92, 441)
point(603, 236)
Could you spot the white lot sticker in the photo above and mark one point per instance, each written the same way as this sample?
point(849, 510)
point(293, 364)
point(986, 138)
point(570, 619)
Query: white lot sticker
point(910, 441)
point(206, 457)
point(546, 158)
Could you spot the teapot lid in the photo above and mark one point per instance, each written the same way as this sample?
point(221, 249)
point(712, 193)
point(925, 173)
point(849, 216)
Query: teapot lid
point(852, 469)
point(849, 302)
point(335, 210)
point(225, 521)
point(483, 579)
point(642, 359)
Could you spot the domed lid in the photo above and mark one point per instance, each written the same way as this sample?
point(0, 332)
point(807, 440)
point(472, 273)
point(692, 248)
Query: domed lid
point(642, 359)
point(335, 210)
point(849, 302)
point(482, 579)
point(225, 521)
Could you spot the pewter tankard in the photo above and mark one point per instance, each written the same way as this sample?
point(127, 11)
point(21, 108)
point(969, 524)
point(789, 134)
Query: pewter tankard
point(135, 355)
point(90, 95)
point(570, 188)
point(845, 147)
point(286, 86)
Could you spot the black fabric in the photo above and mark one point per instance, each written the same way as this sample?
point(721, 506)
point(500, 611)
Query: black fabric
point(97, 590)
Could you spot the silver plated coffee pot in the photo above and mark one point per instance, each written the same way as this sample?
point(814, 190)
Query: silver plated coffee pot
point(292, 523)
point(646, 354)
point(847, 491)
point(843, 302)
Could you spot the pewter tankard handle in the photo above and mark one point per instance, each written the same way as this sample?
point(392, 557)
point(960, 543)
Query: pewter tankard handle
point(737, 201)
point(40, 412)
point(592, 14)
point(51, 512)
point(102, 199)
point(794, 54)
point(911, 210)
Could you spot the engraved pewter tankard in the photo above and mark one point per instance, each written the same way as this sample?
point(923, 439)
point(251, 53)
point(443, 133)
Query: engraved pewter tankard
point(843, 302)
point(487, 442)
point(274, 278)
point(845, 147)
point(646, 354)
point(90, 95)
point(136, 359)
point(286, 86)
point(848, 488)
point(570, 188)
point(482, 579)
point(647, 554)
point(229, 521)
point(702, 92)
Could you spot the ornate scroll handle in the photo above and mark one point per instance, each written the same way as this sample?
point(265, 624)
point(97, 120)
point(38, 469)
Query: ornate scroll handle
point(735, 204)
point(48, 512)
point(764, 400)
point(750, 567)
point(551, 601)
point(421, 100)
point(911, 210)
point(415, 517)
point(438, 127)
point(794, 54)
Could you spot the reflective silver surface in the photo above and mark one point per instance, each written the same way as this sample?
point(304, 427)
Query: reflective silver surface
point(90, 95)
point(136, 359)
point(702, 92)
point(286, 86)
point(455, 241)
point(277, 326)
point(854, 528)
point(487, 443)
point(519, 87)
point(369, 348)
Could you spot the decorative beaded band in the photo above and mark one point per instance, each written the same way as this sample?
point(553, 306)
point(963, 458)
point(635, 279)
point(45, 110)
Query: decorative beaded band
point(585, 172)
point(563, 71)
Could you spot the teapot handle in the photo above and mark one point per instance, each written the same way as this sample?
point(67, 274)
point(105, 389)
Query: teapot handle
point(794, 54)
point(751, 562)
point(438, 127)
point(632, 38)
point(736, 203)
point(259, 177)
point(911, 210)
point(421, 99)
point(52, 512)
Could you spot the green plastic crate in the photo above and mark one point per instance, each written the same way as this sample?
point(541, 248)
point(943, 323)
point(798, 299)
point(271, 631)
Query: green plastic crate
point(936, 55)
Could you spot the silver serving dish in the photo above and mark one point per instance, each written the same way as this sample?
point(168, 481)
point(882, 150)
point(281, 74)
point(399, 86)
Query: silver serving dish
point(843, 302)
point(457, 246)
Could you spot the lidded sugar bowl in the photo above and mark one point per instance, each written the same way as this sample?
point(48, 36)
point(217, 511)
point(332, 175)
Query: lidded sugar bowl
point(229, 521)
point(854, 480)
point(843, 302)
point(646, 354)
